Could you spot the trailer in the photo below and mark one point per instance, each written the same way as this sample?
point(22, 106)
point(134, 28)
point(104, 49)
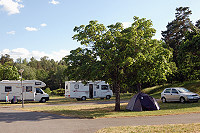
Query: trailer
point(80, 91)
point(11, 91)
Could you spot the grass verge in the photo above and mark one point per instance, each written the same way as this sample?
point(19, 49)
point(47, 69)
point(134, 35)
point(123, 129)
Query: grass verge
point(171, 128)
point(107, 110)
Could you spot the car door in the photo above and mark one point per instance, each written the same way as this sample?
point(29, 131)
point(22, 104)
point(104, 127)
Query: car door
point(174, 95)
point(167, 94)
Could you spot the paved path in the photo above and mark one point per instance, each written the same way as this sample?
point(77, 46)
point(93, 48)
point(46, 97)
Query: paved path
point(14, 121)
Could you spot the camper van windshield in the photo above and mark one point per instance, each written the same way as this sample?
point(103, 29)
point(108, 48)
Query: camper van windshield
point(38, 90)
point(104, 87)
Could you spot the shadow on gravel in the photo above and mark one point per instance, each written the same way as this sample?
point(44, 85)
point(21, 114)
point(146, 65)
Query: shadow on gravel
point(28, 116)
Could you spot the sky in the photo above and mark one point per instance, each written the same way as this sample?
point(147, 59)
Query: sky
point(37, 28)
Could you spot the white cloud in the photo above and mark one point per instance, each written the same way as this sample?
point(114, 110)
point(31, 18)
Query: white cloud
point(10, 6)
point(31, 29)
point(11, 32)
point(43, 25)
point(126, 24)
point(24, 53)
point(54, 2)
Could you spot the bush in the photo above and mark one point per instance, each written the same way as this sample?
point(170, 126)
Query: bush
point(48, 91)
point(59, 92)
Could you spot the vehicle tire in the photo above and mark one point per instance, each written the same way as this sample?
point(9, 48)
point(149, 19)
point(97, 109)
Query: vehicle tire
point(78, 99)
point(182, 100)
point(108, 97)
point(43, 100)
point(163, 99)
point(83, 98)
point(12, 101)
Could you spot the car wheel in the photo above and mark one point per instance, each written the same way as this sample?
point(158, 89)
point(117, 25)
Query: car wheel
point(163, 99)
point(182, 100)
point(43, 100)
point(83, 98)
point(108, 97)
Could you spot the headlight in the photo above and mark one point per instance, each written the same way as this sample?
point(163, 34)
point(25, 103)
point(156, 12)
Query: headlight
point(189, 96)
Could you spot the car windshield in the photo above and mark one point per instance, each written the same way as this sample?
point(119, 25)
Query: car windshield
point(183, 90)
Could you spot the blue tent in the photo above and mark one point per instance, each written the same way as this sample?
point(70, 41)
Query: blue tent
point(142, 102)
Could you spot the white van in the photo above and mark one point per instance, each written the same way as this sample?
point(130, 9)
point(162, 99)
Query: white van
point(11, 91)
point(80, 91)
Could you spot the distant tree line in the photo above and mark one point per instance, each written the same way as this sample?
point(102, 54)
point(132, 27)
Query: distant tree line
point(47, 70)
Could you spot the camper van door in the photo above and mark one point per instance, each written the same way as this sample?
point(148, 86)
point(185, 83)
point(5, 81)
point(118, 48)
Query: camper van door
point(38, 94)
point(29, 93)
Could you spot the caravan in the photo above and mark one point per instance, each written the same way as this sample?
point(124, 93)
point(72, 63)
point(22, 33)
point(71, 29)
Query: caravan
point(11, 91)
point(80, 91)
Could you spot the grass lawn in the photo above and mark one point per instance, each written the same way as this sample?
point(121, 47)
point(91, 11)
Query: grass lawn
point(107, 110)
point(177, 128)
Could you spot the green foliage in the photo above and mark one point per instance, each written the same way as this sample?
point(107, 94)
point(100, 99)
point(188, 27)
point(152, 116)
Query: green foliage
point(8, 72)
point(177, 29)
point(59, 92)
point(48, 91)
point(119, 56)
point(189, 57)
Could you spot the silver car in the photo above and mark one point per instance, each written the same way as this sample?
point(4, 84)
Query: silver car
point(178, 94)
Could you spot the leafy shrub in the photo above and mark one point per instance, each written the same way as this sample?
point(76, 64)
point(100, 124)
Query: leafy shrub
point(48, 91)
point(59, 92)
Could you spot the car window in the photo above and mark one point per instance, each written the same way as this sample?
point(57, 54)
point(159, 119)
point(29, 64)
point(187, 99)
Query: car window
point(174, 91)
point(167, 91)
point(183, 90)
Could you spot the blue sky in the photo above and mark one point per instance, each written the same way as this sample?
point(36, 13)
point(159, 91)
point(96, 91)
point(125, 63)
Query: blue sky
point(45, 27)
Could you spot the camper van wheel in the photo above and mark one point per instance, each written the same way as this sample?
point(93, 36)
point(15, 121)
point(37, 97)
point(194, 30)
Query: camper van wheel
point(107, 97)
point(12, 101)
point(78, 99)
point(43, 100)
point(83, 98)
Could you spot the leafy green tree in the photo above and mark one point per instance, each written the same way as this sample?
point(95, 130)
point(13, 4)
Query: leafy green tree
point(177, 29)
point(8, 72)
point(111, 53)
point(189, 57)
point(6, 59)
point(29, 72)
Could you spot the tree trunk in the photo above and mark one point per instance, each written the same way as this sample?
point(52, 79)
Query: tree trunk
point(117, 90)
point(117, 93)
point(138, 87)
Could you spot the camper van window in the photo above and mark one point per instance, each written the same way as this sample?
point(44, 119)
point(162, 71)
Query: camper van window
point(8, 88)
point(28, 88)
point(76, 86)
point(97, 86)
point(38, 90)
point(38, 83)
point(104, 87)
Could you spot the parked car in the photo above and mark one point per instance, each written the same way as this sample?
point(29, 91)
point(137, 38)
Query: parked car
point(178, 94)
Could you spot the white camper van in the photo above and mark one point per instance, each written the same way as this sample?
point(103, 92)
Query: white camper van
point(11, 91)
point(80, 91)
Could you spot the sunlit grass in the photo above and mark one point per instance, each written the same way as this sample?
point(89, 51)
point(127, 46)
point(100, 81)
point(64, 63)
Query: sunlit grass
point(170, 128)
point(107, 110)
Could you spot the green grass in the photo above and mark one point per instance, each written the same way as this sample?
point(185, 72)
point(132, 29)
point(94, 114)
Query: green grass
point(107, 110)
point(170, 128)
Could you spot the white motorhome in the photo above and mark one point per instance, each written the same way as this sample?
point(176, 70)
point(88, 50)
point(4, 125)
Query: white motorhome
point(80, 91)
point(11, 90)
